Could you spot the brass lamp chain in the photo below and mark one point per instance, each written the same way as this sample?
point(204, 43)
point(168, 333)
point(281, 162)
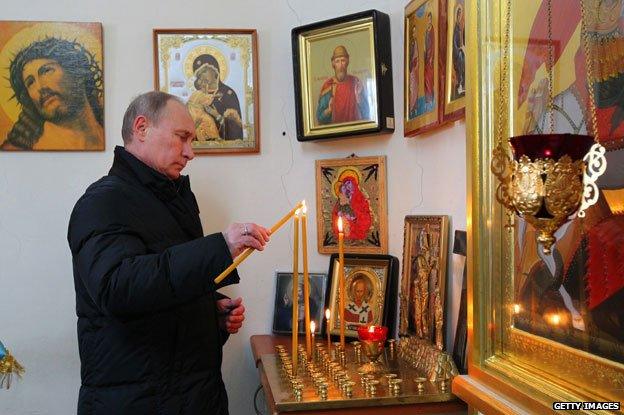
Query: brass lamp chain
point(504, 96)
point(550, 69)
point(596, 162)
point(590, 71)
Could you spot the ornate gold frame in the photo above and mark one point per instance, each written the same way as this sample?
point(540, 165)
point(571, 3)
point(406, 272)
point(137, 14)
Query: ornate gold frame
point(510, 371)
point(412, 224)
point(305, 41)
point(379, 216)
point(243, 40)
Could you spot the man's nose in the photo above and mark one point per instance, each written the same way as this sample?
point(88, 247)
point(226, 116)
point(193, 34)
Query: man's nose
point(187, 150)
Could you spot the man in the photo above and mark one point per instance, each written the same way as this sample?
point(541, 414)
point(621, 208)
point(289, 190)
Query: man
point(150, 322)
point(59, 86)
point(358, 310)
point(342, 97)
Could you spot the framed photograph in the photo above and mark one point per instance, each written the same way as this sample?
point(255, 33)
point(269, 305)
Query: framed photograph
point(424, 276)
point(52, 89)
point(282, 313)
point(215, 72)
point(371, 283)
point(353, 188)
point(343, 76)
point(453, 54)
point(422, 61)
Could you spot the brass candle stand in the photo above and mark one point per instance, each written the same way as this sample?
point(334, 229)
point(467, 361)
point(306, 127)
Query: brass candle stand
point(338, 378)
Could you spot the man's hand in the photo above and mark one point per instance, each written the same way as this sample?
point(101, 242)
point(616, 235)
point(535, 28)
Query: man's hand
point(239, 236)
point(231, 314)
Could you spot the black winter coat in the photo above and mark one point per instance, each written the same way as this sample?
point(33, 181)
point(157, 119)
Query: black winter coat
point(148, 334)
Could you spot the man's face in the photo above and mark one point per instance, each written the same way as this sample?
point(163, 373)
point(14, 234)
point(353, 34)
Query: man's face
point(56, 95)
point(169, 142)
point(340, 65)
point(359, 291)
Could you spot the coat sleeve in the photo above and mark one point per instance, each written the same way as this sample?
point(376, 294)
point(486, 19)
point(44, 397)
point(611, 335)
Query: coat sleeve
point(123, 279)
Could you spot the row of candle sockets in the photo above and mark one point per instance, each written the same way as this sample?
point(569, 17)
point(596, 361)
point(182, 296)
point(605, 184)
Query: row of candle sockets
point(333, 368)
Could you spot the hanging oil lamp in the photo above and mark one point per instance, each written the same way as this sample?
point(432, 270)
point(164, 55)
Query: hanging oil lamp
point(547, 177)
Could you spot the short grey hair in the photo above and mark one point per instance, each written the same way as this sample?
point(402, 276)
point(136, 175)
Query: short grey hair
point(151, 105)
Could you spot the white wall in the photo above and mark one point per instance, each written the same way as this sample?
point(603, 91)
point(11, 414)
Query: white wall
point(426, 175)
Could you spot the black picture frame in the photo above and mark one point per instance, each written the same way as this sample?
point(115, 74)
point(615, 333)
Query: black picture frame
point(317, 39)
point(461, 330)
point(389, 313)
point(282, 314)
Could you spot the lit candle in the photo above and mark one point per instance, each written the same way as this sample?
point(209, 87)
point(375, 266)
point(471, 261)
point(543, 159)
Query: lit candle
point(295, 294)
point(248, 251)
point(342, 282)
point(312, 329)
point(306, 279)
point(328, 329)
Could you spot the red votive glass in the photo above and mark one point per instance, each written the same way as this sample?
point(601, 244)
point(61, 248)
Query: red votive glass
point(372, 333)
point(553, 146)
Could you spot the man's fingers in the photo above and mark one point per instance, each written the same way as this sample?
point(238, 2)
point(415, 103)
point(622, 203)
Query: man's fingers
point(236, 318)
point(238, 311)
point(254, 231)
point(236, 302)
point(264, 232)
point(258, 232)
point(250, 241)
point(224, 304)
point(233, 326)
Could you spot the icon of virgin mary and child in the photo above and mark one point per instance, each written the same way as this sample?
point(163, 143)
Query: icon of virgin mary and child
point(214, 106)
point(352, 205)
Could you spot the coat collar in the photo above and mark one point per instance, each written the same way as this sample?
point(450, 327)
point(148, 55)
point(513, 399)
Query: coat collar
point(127, 166)
point(175, 194)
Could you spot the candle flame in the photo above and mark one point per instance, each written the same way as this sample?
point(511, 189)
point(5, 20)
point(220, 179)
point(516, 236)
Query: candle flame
point(555, 319)
point(304, 208)
point(312, 326)
point(516, 308)
point(340, 224)
point(327, 314)
point(371, 329)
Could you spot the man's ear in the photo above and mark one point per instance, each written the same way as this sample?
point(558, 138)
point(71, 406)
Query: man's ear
point(140, 127)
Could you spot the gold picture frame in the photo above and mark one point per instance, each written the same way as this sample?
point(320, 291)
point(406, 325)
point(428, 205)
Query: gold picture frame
point(215, 73)
point(423, 282)
point(355, 189)
point(422, 48)
point(510, 370)
point(372, 278)
point(453, 71)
